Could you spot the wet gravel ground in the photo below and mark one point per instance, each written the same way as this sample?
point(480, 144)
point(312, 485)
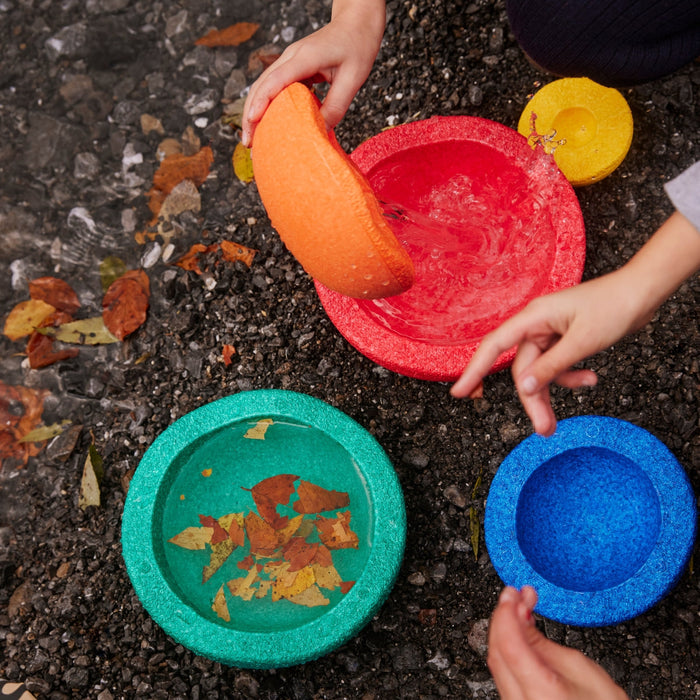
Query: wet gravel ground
point(75, 78)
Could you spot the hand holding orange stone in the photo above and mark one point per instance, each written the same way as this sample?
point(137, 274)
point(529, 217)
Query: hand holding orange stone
point(320, 203)
point(341, 53)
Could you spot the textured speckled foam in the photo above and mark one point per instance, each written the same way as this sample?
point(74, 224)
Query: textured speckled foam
point(308, 438)
point(439, 172)
point(599, 518)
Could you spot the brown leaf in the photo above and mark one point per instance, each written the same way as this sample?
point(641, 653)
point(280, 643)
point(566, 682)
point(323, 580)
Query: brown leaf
point(345, 586)
point(56, 292)
point(20, 413)
point(190, 260)
point(262, 536)
point(40, 347)
point(125, 303)
point(218, 534)
point(316, 499)
point(336, 533)
point(299, 553)
point(232, 251)
point(270, 493)
point(173, 170)
point(234, 35)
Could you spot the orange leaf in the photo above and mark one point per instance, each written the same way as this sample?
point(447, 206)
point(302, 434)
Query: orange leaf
point(56, 292)
point(299, 553)
point(246, 562)
point(232, 251)
point(345, 586)
point(228, 352)
point(262, 536)
point(173, 170)
point(316, 499)
point(190, 260)
point(323, 556)
point(15, 424)
point(236, 533)
point(40, 347)
point(125, 303)
point(230, 36)
point(271, 492)
point(335, 533)
point(219, 534)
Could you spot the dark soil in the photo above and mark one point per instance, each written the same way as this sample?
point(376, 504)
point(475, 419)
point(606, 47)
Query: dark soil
point(75, 77)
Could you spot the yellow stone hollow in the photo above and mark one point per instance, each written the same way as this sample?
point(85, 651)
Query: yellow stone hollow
point(587, 127)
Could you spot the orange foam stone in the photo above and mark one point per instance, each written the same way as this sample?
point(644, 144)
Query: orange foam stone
point(320, 203)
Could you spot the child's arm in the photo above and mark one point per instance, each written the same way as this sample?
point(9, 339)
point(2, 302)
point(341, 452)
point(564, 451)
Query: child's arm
point(528, 666)
point(341, 53)
point(556, 331)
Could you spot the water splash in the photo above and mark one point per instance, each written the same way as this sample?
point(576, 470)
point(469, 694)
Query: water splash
point(548, 143)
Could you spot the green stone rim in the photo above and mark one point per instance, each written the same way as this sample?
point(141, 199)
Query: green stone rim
point(285, 647)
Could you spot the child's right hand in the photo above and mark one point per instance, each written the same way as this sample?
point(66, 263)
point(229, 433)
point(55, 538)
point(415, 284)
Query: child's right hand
point(341, 53)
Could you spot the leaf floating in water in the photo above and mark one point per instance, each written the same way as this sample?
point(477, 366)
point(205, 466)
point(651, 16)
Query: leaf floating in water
point(310, 598)
point(219, 554)
point(243, 587)
point(93, 472)
point(259, 430)
point(336, 533)
point(242, 163)
point(273, 491)
point(193, 537)
point(234, 35)
point(220, 607)
point(316, 499)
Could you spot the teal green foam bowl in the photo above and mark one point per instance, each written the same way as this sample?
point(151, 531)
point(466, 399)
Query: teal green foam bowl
point(227, 601)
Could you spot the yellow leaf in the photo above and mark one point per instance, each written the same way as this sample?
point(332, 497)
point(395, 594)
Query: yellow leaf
point(292, 583)
point(310, 598)
point(259, 430)
point(243, 587)
point(474, 530)
point(327, 576)
point(45, 432)
point(26, 317)
point(242, 163)
point(193, 537)
point(220, 552)
point(219, 606)
point(263, 588)
point(87, 331)
point(92, 477)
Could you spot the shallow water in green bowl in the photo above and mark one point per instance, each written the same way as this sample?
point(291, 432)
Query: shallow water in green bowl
point(238, 463)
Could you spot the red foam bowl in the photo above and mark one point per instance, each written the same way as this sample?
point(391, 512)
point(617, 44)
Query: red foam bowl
point(489, 223)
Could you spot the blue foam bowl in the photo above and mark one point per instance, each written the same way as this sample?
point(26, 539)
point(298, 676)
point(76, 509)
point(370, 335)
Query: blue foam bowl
point(220, 596)
point(599, 518)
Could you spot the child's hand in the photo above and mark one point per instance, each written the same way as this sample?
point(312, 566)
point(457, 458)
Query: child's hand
point(556, 331)
point(341, 53)
point(528, 666)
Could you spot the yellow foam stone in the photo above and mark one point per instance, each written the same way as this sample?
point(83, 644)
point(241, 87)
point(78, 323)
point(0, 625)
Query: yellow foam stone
point(587, 127)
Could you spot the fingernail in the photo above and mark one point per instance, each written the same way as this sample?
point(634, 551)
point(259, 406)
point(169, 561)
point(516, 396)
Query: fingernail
point(508, 594)
point(245, 139)
point(528, 385)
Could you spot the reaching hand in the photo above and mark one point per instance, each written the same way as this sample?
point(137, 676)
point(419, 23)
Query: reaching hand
point(556, 331)
point(528, 666)
point(341, 53)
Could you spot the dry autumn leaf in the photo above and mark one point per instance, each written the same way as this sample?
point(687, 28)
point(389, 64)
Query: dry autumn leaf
point(310, 598)
point(25, 317)
point(290, 583)
point(261, 535)
point(219, 534)
point(270, 493)
point(56, 292)
point(316, 499)
point(173, 170)
point(227, 352)
point(93, 472)
point(232, 252)
point(45, 432)
point(219, 554)
point(111, 269)
point(16, 424)
point(242, 163)
point(243, 587)
point(190, 260)
point(299, 553)
point(234, 35)
point(125, 303)
point(193, 537)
